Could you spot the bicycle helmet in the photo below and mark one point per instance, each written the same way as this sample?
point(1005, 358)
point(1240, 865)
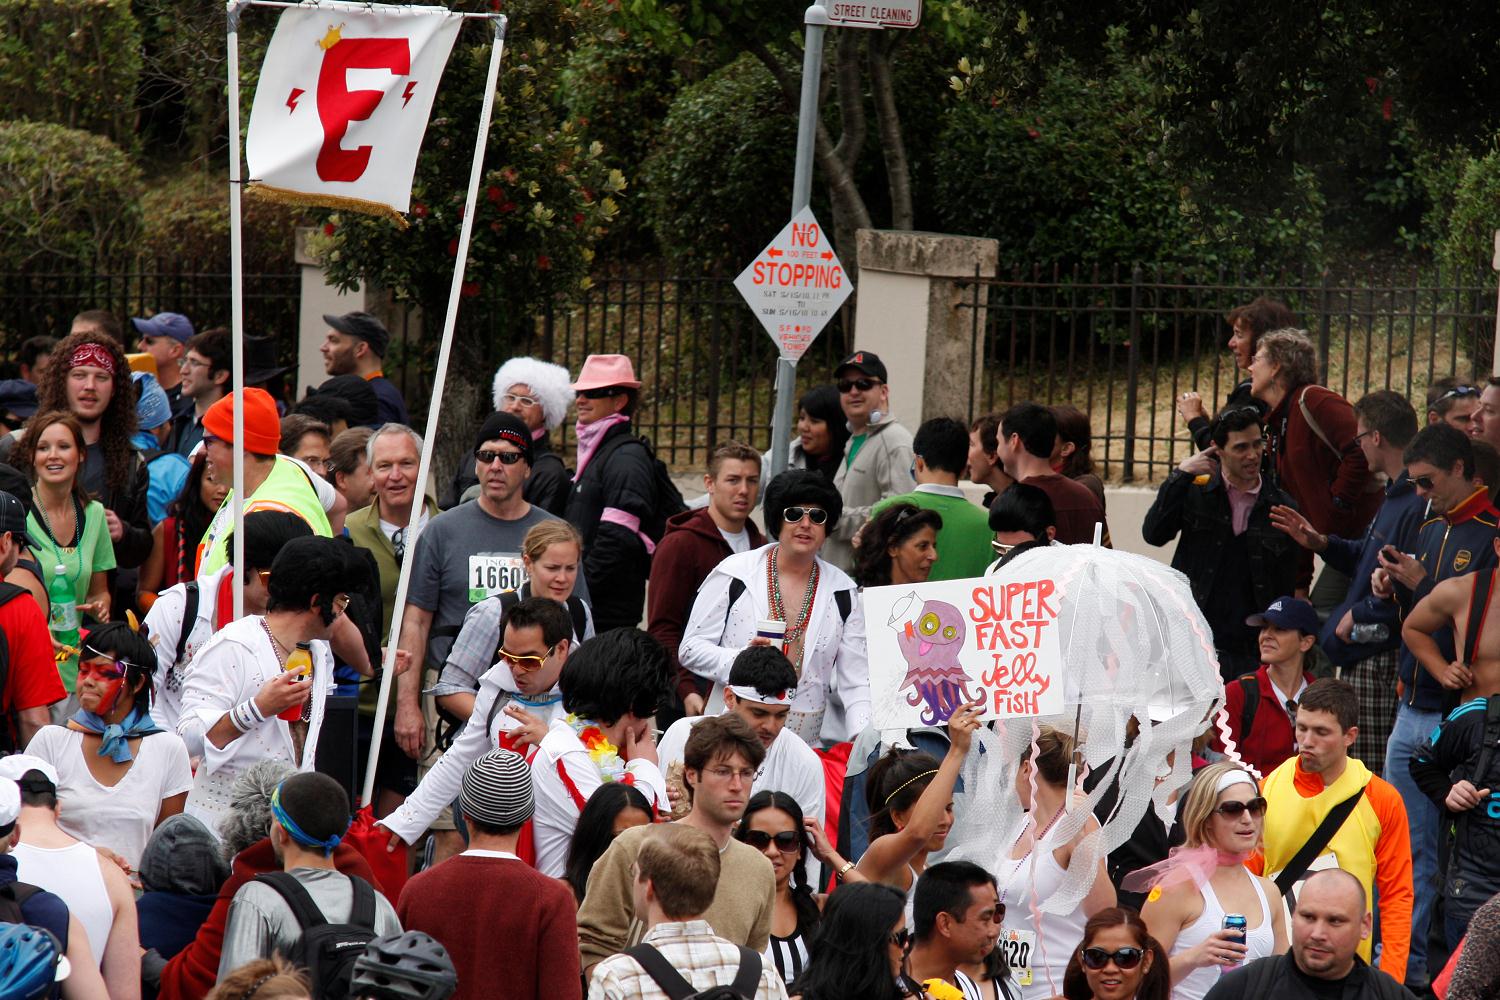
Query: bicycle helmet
point(31, 961)
point(410, 966)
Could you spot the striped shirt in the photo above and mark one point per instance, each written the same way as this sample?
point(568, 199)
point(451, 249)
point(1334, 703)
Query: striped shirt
point(788, 954)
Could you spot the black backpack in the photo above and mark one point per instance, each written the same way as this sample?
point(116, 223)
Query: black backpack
point(9, 730)
point(12, 896)
point(746, 980)
point(668, 498)
point(327, 952)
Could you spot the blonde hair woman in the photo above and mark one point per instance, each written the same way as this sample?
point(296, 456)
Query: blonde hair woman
point(1206, 878)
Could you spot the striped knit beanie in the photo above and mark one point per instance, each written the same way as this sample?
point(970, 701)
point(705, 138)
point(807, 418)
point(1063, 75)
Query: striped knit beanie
point(497, 789)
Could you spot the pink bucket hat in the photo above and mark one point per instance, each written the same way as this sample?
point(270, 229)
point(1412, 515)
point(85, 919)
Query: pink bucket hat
point(601, 370)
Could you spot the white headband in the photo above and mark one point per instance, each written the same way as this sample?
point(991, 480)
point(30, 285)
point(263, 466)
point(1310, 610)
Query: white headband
point(751, 694)
point(1231, 778)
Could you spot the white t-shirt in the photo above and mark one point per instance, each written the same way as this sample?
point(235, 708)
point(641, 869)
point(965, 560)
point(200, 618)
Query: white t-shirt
point(390, 529)
point(739, 541)
point(791, 766)
point(119, 817)
point(164, 623)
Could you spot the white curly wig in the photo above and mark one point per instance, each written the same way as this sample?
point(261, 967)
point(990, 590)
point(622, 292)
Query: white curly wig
point(550, 384)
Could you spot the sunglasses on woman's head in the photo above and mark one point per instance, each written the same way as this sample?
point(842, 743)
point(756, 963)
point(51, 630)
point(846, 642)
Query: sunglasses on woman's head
point(1124, 958)
point(1234, 809)
point(816, 515)
point(786, 841)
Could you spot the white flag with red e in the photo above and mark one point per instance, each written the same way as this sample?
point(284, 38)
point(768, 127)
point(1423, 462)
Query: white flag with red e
point(343, 101)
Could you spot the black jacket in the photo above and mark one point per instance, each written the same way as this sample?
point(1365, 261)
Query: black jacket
point(615, 560)
point(1278, 978)
point(1453, 753)
point(547, 487)
point(1201, 428)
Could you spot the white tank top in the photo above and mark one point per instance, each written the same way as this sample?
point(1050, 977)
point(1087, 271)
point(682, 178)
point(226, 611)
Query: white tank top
point(72, 873)
point(1059, 932)
point(1260, 940)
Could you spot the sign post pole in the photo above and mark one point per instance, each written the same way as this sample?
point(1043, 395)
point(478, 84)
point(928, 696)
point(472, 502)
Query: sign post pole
point(816, 20)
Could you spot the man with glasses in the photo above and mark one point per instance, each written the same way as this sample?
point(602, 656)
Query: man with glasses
point(1370, 842)
point(615, 494)
point(1218, 507)
point(720, 759)
point(164, 337)
point(956, 916)
point(240, 699)
point(760, 689)
point(205, 368)
point(540, 393)
point(1262, 706)
point(878, 458)
point(1454, 402)
point(463, 556)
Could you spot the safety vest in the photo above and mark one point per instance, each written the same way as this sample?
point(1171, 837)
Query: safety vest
point(287, 488)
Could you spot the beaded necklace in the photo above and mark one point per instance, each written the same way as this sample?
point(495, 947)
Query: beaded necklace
point(281, 657)
point(41, 509)
point(794, 629)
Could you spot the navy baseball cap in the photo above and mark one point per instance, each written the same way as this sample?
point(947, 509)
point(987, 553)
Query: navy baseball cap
point(174, 325)
point(1288, 612)
point(13, 518)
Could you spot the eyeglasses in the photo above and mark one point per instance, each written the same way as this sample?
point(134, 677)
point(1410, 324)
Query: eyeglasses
point(1001, 549)
point(188, 363)
point(1422, 482)
point(793, 515)
point(1458, 392)
point(511, 397)
point(486, 457)
point(102, 671)
point(901, 939)
point(786, 841)
point(862, 384)
point(525, 661)
point(1234, 809)
point(1124, 958)
point(745, 774)
point(603, 392)
point(340, 604)
point(265, 577)
point(398, 543)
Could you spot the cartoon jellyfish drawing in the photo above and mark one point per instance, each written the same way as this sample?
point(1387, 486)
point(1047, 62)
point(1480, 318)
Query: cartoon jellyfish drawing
point(930, 642)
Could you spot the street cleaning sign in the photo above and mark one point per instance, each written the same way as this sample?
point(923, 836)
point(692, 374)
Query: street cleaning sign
point(795, 285)
point(864, 14)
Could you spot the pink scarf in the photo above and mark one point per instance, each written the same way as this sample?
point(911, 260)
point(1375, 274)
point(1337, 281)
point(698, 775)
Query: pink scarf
point(1195, 864)
point(589, 436)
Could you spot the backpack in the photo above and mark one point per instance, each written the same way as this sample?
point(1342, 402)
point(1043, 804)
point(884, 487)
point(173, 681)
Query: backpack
point(672, 983)
point(844, 599)
point(667, 498)
point(12, 897)
point(1251, 685)
point(326, 952)
point(9, 730)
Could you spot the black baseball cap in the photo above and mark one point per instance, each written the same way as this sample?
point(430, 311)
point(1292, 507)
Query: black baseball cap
point(1288, 612)
point(364, 326)
point(13, 518)
point(865, 361)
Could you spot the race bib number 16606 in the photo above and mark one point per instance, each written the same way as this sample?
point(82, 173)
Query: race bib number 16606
point(494, 574)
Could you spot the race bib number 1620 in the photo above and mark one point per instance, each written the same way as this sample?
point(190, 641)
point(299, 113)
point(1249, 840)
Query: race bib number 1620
point(494, 574)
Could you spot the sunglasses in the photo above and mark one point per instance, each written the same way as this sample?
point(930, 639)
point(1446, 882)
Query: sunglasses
point(604, 392)
point(1124, 958)
point(525, 661)
point(1458, 392)
point(786, 841)
point(1001, 549)
point(1422, 482)
point(862, 384)
point(511, 397)
point(901, 939)
point(793, 515)
point(1234, 809)
point(487, 457)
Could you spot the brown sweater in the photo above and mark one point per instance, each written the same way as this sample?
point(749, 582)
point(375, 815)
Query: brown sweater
point(508, 928)
point(740, 912)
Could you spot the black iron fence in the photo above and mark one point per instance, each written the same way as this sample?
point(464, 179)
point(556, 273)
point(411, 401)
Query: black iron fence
point(1123, 344)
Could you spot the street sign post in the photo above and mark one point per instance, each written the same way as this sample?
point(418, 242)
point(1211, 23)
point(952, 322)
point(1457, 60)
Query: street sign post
point(795, 285)
point(865, 14)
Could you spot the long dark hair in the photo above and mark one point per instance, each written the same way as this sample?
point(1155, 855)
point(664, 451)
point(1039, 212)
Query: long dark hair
point(894, 783)
point(192, 516)
point(1073, 427)
point(116, 424)
point(891, 527)
point(849, 950)
point(1155, 985)
point(822, 403)
point(808, 914)
point(596, 829)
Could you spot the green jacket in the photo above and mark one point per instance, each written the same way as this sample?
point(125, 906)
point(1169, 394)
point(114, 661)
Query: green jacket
point(364, 530)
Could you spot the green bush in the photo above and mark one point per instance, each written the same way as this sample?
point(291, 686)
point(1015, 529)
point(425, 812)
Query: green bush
point(71, 62)
point(186, 222)
point(65, 196)
point(1468, 241)
point(719, 183)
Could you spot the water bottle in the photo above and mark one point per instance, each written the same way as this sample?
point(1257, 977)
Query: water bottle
point(1371, 632)
point(300, 661)
point(62, 618)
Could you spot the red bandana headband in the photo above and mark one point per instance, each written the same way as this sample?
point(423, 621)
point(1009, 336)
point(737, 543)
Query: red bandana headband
point(96, 355)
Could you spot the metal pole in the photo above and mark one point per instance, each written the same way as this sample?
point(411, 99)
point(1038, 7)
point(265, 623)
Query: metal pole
point(236, 307)
point(430, 438)
point(816, 19)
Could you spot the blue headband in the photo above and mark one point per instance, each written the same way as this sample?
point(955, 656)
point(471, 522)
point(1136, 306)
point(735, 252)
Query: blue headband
point(296, 832)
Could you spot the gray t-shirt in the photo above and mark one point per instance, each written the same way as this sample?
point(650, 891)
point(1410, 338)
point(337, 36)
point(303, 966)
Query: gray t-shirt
point(463, 556)
point(260, 922)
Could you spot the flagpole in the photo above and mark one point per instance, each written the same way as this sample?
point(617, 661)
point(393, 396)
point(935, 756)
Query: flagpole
point(236, 307)
point(476, 171)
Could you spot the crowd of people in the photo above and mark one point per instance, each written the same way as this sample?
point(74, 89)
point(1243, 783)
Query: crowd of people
point(629, 750)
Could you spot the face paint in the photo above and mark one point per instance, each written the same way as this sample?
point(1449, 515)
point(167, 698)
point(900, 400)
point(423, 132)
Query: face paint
point(109, 680)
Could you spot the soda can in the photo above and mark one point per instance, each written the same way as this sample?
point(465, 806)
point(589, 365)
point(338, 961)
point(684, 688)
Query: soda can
point(1237, 923)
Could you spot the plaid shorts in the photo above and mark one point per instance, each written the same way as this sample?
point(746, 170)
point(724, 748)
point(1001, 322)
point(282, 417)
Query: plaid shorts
point(1374, 681)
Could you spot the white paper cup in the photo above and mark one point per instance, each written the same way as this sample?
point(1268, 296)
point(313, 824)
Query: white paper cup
point(770, 628)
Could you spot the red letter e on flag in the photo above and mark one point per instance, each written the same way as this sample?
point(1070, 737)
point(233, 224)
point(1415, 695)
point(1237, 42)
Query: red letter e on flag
point(338, 105)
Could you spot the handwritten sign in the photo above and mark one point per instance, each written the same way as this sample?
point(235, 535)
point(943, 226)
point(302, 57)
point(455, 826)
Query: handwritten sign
point(935, 646)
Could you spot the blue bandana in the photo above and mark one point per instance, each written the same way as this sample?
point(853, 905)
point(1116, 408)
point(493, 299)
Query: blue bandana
point(296, 832)
point(117, 735)
point(540, 703)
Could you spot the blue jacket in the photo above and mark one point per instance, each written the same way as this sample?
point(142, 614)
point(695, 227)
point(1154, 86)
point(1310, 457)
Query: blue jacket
point(1459, 542)
point(1395, 523)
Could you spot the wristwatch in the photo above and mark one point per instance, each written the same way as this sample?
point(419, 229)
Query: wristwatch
point(848, 867)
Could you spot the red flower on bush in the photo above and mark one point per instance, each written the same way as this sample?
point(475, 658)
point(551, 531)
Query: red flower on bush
point(419, 210)
point(469, 290)
point(494, 193)
point(328, 229)
point(453, 247)
point(543, 263)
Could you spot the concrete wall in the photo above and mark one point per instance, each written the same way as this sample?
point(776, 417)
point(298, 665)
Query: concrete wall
point(318, 297)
